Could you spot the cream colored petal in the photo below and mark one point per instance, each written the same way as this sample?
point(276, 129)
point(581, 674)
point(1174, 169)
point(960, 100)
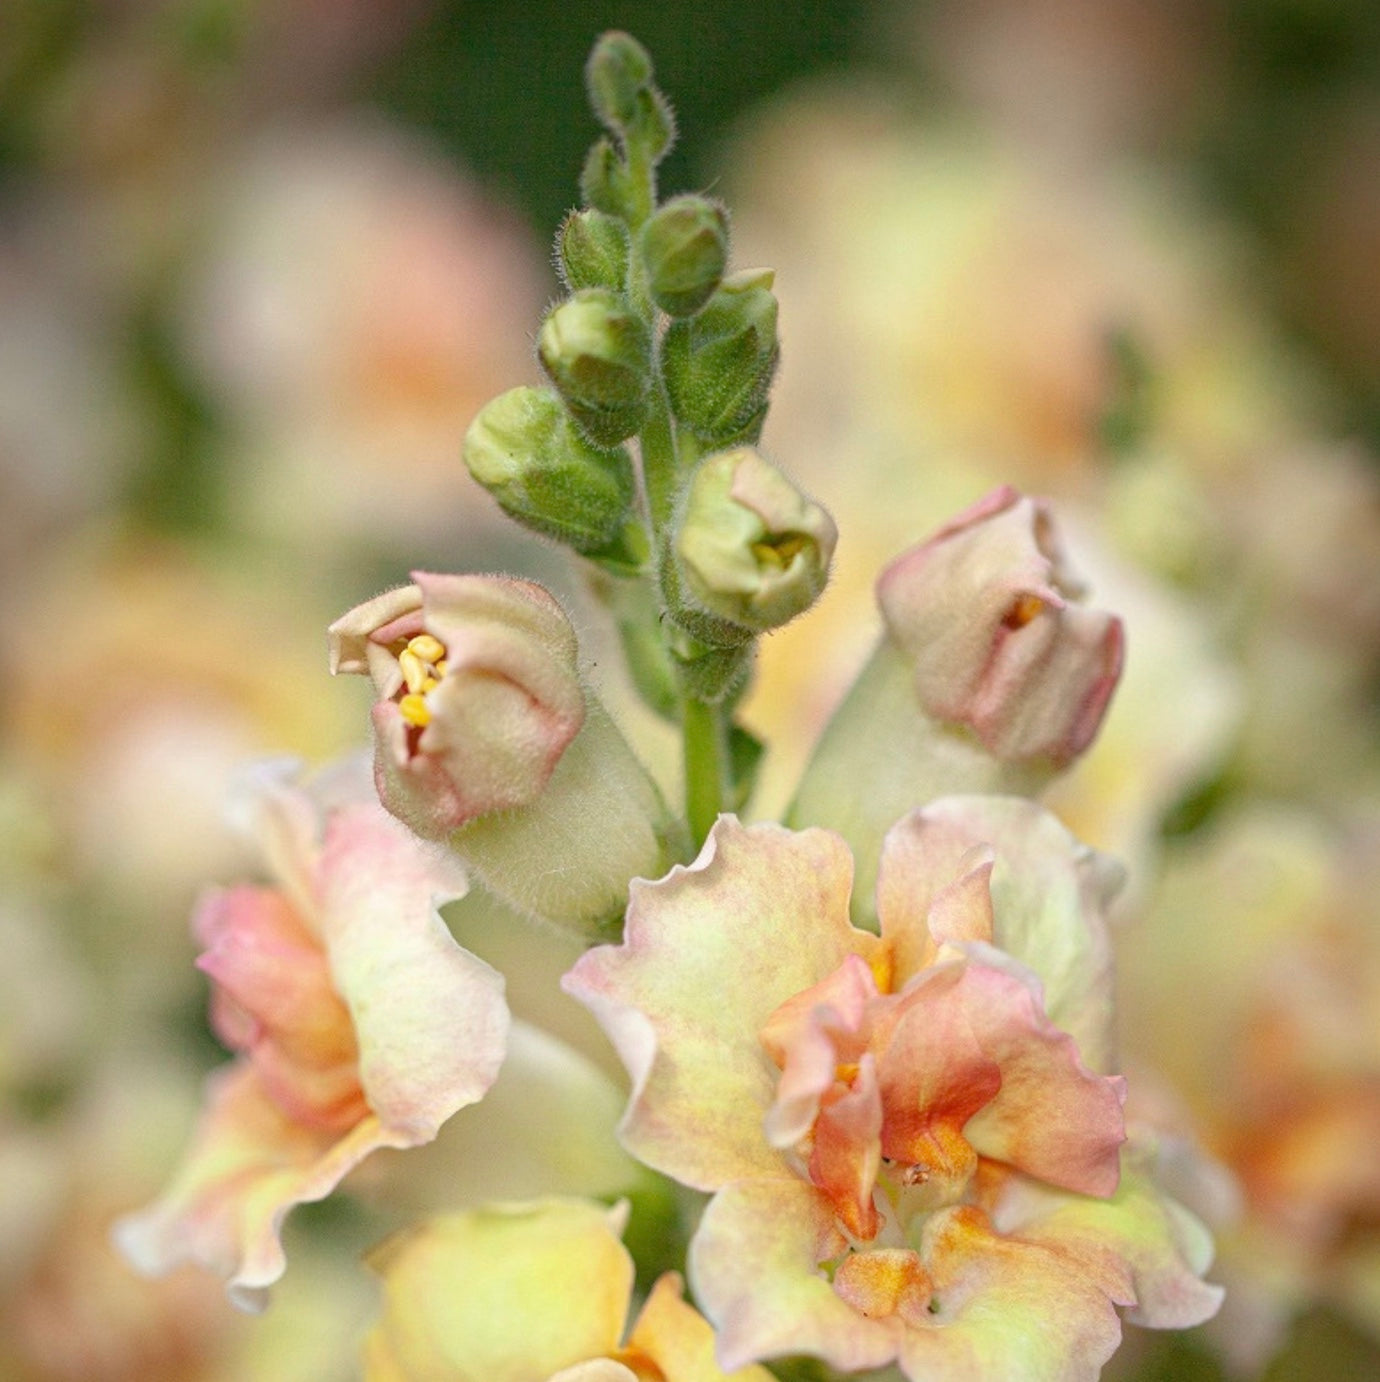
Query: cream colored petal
point(1049, 893)
point(429, 1017)
point(755, 1269)
point(710, 952)
point(247, 1166)
point(509, 1293)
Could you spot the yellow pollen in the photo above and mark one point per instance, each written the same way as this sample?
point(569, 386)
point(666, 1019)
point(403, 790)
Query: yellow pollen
point(414, 710)
point(847, 1073)
point(413, 669)
point(427, 648)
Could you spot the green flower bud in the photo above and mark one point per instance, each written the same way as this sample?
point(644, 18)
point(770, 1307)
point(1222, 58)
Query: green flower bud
point(751, 549)
point(605, 182)
point(618, 70)
point(592, 251)
point(596, 351)
point(523, 449)
point(718, 365)
point(685, 248)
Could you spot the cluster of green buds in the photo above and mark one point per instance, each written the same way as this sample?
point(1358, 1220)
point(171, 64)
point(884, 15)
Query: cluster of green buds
point(640, 453)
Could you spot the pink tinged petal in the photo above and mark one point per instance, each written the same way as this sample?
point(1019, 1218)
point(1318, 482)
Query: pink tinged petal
point(982, 610)
point(933, 885)
point(847, 1152)
point(509, 1293)
point(677, 1339)
point(511, 700)
point(274, 1000)
point(1007, 1309)
point(711, 951)
point(1049, 901)
point(1144, 1249)
point(755, 1266)
point(248, 1165)
point(935, 1076)
point(1052, 1117)
point(358, 638)
point(429, 1017)
point(807, 1036)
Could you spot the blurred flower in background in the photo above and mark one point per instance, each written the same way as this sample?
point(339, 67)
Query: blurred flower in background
point(251, 295)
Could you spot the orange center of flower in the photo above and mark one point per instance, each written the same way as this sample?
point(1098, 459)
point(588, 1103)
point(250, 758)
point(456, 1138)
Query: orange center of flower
point(422, 662)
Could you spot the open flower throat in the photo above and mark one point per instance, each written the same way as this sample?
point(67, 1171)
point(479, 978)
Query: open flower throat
point(898, 1100)
point(908, 1133)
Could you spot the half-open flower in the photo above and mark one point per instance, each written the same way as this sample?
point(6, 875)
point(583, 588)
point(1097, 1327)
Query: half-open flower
point(1026, 668)
point(531, 1291)
point(486, 736)
point(358, 1023)
point(913, 1137)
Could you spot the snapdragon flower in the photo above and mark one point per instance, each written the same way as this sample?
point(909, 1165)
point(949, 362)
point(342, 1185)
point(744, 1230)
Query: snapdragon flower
point(914, 1139)
point(357, 1021)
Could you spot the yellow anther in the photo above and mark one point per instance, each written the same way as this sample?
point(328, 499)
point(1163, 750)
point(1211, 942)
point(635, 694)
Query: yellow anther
point(414, 710)
point(430, 684)
point(441, 665)
point(427, 648)
point(413, 669)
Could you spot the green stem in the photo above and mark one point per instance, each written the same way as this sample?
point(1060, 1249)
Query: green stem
point(704, 766)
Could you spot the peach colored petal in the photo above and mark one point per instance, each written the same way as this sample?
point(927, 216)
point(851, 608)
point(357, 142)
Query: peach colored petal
point(847, 1153)
point(711, 951)
point(1144, 1249)
point(1052, 1117)
point(1003, 1308)
point(754, 1267)
point(1049, 899)
point(429, 1017)
point(678, 1340)
point(807, 1036)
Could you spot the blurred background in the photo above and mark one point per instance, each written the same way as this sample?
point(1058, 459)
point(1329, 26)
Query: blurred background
point(261, 263)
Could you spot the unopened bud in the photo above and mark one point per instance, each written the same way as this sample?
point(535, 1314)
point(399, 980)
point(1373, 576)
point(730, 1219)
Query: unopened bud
point(719, 364)
point(592, 251)
point(525, 451)
point(595, 349)
point(618, 69)
point(685, 249)
point(606, 183)
point(752, 550)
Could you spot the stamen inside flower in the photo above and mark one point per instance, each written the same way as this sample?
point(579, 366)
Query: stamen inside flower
point(778, 552)
point(422, 662)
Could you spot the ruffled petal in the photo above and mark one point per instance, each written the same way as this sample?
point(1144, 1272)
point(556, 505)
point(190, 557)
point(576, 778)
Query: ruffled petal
point(755, 1269)
point(711, 951)
point(678, 1339)
point(1051, 1117)
point(1007, 1309)
point(1146, 1251)
point(248, 1165)
point(1049, 899)
point(429, 1017)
